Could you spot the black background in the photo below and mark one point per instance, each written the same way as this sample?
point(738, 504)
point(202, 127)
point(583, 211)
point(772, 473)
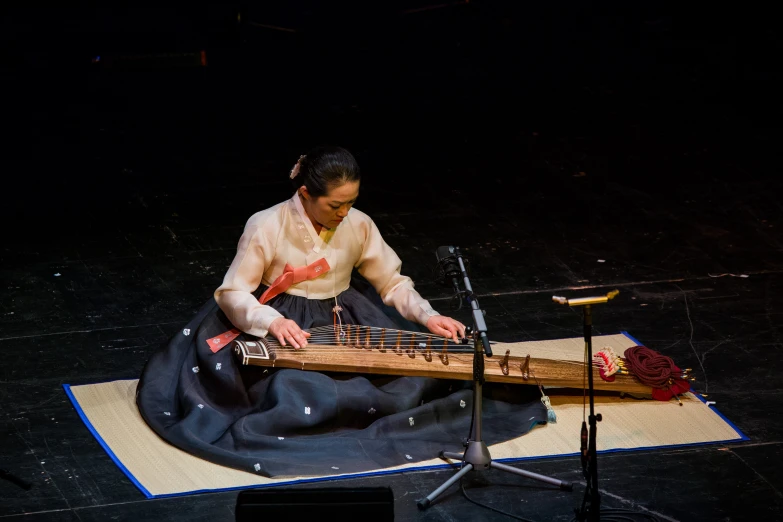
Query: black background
point(568, 147)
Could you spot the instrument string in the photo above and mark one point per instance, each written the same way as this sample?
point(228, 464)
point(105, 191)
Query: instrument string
point(458, 356)
point(652, 368)
point(336, 349)
point(359, 350)
point(402, 350)
point(464, 356)
point(390, 343)
point(354, 339)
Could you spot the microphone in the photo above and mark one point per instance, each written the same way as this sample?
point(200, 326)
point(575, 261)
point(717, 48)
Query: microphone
point(584, 301)
point(448, 265)
point(452, 265)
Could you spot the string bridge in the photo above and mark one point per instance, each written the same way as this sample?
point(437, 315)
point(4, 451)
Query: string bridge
point(504, 363)
point(358, 348)
point(525, 367)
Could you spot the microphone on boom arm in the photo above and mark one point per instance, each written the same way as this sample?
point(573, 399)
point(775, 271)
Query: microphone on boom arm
point(449, 268)
point(452, 266)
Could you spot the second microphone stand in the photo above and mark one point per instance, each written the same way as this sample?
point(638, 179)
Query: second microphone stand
point(591, 502)
point(476, 455)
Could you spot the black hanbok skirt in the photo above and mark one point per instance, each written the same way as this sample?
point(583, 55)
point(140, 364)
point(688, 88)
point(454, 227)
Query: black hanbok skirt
point(283, 422)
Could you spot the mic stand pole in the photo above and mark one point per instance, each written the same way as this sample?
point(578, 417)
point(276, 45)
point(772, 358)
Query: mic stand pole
point(591, 503)
point(479, 325)
point(476, 455)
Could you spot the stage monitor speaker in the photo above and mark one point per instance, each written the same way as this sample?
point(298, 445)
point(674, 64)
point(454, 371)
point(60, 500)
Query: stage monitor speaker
point(376, 504)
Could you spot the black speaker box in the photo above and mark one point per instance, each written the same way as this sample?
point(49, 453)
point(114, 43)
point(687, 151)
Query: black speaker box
point(376, 504)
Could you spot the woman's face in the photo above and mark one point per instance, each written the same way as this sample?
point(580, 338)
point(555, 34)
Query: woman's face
point(329, 210)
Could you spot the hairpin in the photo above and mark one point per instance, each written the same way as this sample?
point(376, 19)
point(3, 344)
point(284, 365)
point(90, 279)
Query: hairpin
point(295, 170)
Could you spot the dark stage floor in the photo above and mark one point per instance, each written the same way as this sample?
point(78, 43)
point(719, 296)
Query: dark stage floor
point(128, 192)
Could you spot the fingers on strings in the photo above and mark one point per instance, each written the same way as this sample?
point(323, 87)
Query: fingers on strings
point(295, 339)
point(457, 330)
point(451, 331)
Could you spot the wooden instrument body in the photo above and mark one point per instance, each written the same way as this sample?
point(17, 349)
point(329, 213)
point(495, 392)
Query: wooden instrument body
point(418, 360)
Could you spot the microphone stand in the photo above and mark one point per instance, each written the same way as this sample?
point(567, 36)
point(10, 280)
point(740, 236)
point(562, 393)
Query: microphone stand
point(476, 455)
point(591, 502)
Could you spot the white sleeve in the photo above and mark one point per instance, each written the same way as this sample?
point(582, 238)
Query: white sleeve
point(380, 265)
point(254, 253)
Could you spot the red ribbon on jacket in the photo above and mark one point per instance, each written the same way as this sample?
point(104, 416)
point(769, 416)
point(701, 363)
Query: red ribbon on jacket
point(290, 276)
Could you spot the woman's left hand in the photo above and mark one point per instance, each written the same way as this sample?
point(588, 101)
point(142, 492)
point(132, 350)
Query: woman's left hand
point(446, 326)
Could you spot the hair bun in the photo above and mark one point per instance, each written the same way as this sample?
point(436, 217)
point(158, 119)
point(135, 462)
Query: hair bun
point(323, 168)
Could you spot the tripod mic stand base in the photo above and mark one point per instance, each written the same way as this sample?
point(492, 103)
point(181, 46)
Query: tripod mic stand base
point(425, 502)
point(477, 457)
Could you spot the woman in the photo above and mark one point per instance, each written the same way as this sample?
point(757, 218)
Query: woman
point(293, 272)
point(303, 231)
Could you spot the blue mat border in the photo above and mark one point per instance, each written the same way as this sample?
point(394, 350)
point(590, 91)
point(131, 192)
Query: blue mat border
point(91, 428)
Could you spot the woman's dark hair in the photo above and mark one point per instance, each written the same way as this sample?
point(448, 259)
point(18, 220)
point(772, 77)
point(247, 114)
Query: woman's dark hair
point(326, 167)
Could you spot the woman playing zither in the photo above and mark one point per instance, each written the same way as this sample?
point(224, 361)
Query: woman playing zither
point(294, 270)
point(319, 233)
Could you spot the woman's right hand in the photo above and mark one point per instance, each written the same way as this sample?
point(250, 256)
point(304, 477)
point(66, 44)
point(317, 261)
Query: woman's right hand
point(288, 332)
